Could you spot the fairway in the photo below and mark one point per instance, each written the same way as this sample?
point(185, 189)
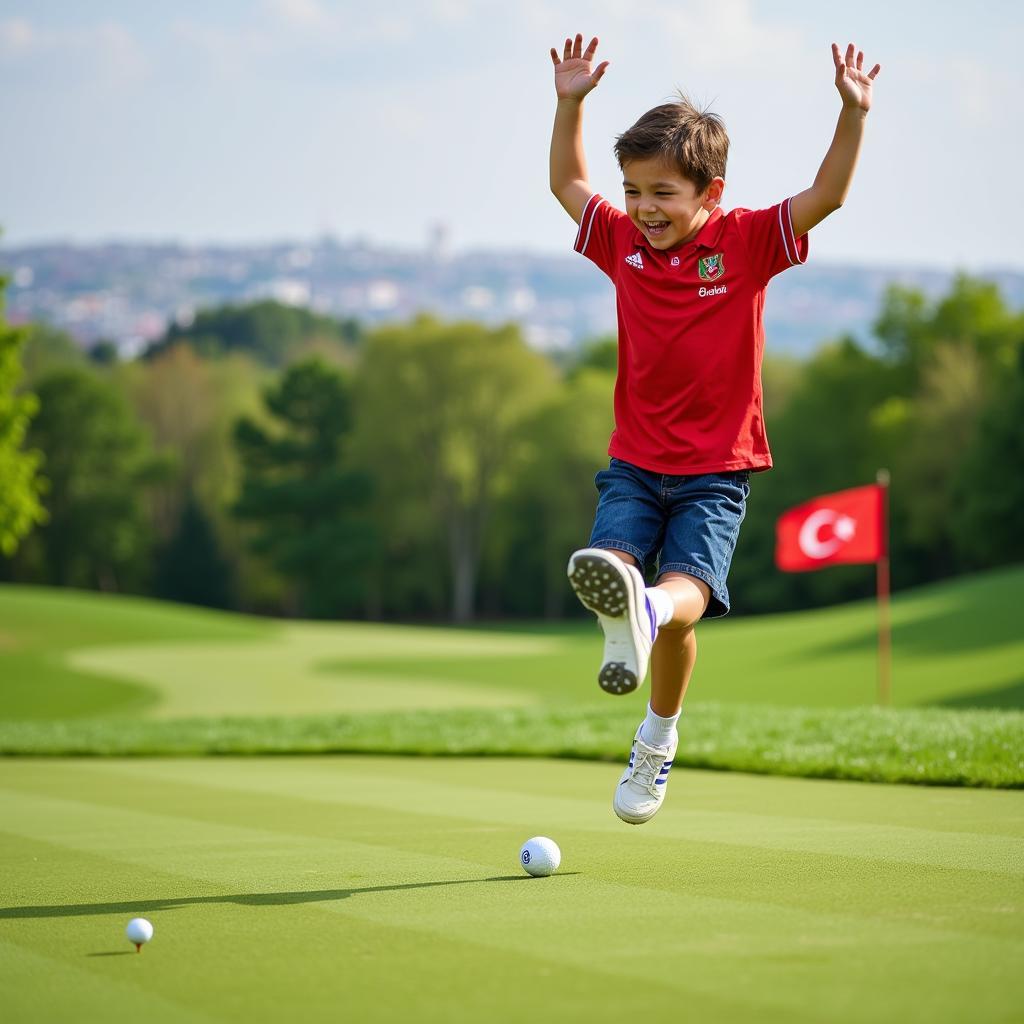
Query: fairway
point(388, 889)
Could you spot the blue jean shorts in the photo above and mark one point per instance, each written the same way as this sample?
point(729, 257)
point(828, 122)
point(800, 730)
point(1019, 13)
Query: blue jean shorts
point(684, 524)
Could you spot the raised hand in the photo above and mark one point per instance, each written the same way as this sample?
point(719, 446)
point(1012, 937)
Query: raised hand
point(574, 76)
point(853, 84)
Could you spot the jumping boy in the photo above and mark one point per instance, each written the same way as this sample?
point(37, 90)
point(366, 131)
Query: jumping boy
point(690, 284)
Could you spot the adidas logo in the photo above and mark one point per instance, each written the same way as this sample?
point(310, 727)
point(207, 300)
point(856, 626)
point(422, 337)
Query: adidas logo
point(636, 260)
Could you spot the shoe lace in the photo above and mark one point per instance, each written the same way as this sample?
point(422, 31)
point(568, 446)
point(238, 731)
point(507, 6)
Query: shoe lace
point(647, 763)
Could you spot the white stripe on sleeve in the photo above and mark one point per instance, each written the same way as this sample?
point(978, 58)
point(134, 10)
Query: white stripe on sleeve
point(782, 230)
point(587, 222)
point(789, 242)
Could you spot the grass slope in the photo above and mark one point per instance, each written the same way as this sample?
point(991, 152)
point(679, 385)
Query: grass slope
point(90, 674)
point(40, 627)
point(298, 889)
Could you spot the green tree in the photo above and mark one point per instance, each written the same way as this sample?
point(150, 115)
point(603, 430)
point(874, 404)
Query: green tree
point(989, 485)
point(952, 355)
point(270, 332)
point(190, 406)
point(98, 463)
point(438, 416)
point(48, 348)
point(306, 505)
point(20, 505)
point(822, 440)
point(549, 511)
point(191, 567)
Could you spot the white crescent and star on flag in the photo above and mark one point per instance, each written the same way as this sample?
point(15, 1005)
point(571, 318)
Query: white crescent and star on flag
point(824, 532)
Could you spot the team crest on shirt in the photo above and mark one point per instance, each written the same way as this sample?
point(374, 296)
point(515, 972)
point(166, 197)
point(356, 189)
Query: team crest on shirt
point(711, 268)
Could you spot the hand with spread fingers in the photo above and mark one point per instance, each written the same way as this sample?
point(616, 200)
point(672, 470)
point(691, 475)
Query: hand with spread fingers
point(853, 83)
point(575, 75)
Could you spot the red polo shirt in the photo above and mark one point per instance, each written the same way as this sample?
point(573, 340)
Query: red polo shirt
point(691, 335)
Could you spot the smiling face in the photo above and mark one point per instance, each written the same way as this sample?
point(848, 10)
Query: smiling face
point(665, 206)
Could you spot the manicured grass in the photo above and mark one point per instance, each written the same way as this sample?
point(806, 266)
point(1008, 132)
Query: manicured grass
point(958, 644)
point(387, 889)
point(41, 626)
point(92, 674)
point(933, 747)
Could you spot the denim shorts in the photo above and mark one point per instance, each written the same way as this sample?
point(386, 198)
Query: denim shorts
point(684, 523)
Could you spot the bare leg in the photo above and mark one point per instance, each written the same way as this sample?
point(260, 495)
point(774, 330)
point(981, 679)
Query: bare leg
point(675, 651)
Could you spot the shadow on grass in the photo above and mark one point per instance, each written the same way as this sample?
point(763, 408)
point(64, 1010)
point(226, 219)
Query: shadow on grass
point(1011, 696)
point(245, 899)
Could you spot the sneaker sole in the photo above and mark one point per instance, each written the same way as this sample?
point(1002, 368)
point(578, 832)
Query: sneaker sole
point(604, 592)
point(632, 821)
point(631, 817)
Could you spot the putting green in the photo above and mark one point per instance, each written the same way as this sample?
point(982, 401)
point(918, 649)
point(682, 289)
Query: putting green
point(295, 670)
point(386, 889)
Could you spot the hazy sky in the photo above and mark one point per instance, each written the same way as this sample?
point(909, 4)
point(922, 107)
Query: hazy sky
point(283, 119)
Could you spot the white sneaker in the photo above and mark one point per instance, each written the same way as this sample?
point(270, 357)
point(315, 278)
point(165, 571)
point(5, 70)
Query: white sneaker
point(614, 591)
point(642, 787)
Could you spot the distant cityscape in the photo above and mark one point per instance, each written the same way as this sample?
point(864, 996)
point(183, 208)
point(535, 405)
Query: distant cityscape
point(127, 293)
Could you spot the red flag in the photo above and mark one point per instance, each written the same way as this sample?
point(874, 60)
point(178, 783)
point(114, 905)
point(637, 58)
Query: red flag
point(847, 526)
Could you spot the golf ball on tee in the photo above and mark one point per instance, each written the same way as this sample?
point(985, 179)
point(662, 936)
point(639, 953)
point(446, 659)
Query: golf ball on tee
point(540, 856)
point(139, 931)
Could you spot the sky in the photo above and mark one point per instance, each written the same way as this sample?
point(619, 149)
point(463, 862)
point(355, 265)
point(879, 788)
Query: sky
point(272, 120)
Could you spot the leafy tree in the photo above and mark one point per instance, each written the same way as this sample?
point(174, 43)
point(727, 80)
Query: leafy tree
point(548, 513)
point(190, 406)
point(598, 354)
point(191, 567)
point(98, 463)
point(305, 504)
point(929, 437)
point(20, 507)
point(989, 485)
point(104, 353)
point(47, 348)
point(972, 314)
point(438, 414)
point(822, 440)
point(268, 331)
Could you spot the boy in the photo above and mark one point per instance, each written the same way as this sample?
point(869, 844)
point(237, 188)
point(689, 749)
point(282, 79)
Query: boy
point(690, 284)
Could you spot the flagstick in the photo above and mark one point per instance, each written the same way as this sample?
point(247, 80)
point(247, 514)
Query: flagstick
point(884, 627)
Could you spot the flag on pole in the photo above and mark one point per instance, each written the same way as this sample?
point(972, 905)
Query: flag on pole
point(833, 529)
point(846, 527)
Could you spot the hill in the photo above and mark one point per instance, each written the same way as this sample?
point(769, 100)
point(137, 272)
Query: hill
point(129, 293)
point(790, 694)
point(71, 653)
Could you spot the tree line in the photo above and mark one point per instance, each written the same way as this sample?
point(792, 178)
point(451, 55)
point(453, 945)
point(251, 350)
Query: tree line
point(273, 460)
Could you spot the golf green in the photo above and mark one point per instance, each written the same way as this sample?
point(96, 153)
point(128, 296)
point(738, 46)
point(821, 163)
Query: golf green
point(388, 889)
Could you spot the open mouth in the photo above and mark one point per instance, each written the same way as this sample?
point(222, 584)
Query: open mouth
point(654, 228)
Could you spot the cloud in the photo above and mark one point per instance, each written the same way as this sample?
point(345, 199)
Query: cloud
point(16, 36)
point(107, 53)
point(292, 30)
point(302, 14)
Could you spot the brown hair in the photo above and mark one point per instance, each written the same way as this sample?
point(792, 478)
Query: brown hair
point(690, 139)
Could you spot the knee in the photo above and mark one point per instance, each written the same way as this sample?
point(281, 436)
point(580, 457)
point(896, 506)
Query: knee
point(690, 596)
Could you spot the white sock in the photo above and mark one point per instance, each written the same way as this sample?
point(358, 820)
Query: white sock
point(662, 604)
point(657, 731)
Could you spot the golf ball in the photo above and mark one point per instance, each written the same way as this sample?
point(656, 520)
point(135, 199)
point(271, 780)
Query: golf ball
point(139, 931)
point(540, 856)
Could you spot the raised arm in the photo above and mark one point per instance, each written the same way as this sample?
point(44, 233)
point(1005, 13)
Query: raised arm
point(574, 78)
point(832, 183)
